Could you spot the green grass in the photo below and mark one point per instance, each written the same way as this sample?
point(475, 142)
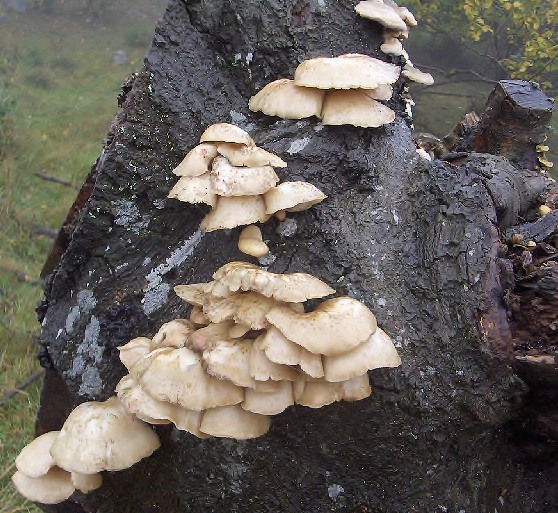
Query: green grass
point(58, 89)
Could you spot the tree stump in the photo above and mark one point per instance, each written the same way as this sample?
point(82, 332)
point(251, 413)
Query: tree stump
point(419, 243)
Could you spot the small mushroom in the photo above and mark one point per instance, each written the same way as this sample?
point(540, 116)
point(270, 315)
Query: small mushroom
point(355, 108)
point(251, 243)
point(284, 99)
point(292, 196)
point(416, 75)
point(227, 180)
point(234, 211)
point(383, 14)
point(250, 156)
point(131, 352)
point(194, 189)
point(230, 359)
point(53, 487)
point(197, 161)
point(173, 334)
point(86, 483)
point(225, 132)
point(234, 422)
point(269, 403)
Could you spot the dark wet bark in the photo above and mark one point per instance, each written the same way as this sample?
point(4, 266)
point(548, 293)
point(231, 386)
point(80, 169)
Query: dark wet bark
point(418, 242)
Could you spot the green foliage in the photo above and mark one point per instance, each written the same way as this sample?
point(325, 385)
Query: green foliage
point(519, 36)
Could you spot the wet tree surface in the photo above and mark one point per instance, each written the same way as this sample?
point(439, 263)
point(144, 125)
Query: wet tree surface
point(455, 428)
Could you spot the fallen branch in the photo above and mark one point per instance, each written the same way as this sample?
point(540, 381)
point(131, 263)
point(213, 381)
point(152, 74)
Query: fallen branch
point(22, 386)
point(53, 179)
point(20, 275)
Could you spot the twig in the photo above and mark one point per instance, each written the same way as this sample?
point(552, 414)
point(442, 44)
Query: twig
point(453, 72)
point(20, 275)
point(438, 93)
point(51, 233)
point(22, 386)
point(53, 179)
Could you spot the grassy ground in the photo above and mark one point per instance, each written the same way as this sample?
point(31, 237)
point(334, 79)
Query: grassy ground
point(58, 88)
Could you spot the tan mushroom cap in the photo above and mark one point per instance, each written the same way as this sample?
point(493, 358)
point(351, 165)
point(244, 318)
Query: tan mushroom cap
point(86, 483)
point(102, 436)
point(230, 359)
point(173, 334)
point(178, 377)
point(226, 132)
point(347, 71)
point(247, 308)
point(280, 349)
point(227, 180)
point(383, 14)
point(198, 317)
point(197, 161)
point(132, 351)
point(284, 99)
point(35, 460)
point(382, 92)
point(150, 410)
point(53, 487)
point(392, 46)
point(193, 294)
point(234, 211)
point(292, 196)
point(316, 394)
point(234, 422)
point(291, 288)
point(355, 108)
point(357, 388)
point(250, 242)
point(376, 352)
point(263, 369)
point(416, 75)
point(205, 337)
point(194, 189)
point(269, 403)
point(334, 327)
point(250, 156)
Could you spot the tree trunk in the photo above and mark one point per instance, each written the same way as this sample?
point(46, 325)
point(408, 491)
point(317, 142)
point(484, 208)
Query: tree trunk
point(418, 242)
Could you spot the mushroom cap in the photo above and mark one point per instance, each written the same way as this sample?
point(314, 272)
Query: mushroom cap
point(230, 359)
point(194, 189)
point(263, 369)
point(86, 483)
point(347, 71)
point(284, 99)
point(334, 327)
point(250, 156)
point(269, 403)
point(102, 436)
point(234, 211)
point(376, 352)
point(204, 338)
point(178, 377)
point(148, 409)
point(382, 92)
point(391, 46)
point(316, 394)
point(234, 422)
point(197, 161)
point(132, 351)
point(198, 317)
point(355, 108)
point(291, 288)
point(250, 242)
point(280, 349)
point(227, 180)
point(173, 333)
point(416, 75)
point(292, 196)
point(35, 460)
point(193, 294)
point(53, 487)
point(356, 388)
point(226, 132)
point(381, 13)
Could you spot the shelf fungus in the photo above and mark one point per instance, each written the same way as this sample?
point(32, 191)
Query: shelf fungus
point(341, 90)
point(258, 353)
point(228, 172)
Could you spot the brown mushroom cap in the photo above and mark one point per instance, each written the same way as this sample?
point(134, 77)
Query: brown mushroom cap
point(234, 422)
point(284, 99)
point(250, 156)
point(348, 71)
point(383, 14)
point(334, 327)
point(53, 487)
point(291, 288)
point(355, 108)
point(102, 436)
point(226, 132)
point(234, 211)
point(227, 180)
point(197, 161)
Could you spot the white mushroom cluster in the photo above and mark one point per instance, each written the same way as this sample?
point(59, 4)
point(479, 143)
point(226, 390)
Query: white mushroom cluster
point(397, 21)
point(95, 437)
point(343, 90)
point(249, 351)
point(237, 179)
